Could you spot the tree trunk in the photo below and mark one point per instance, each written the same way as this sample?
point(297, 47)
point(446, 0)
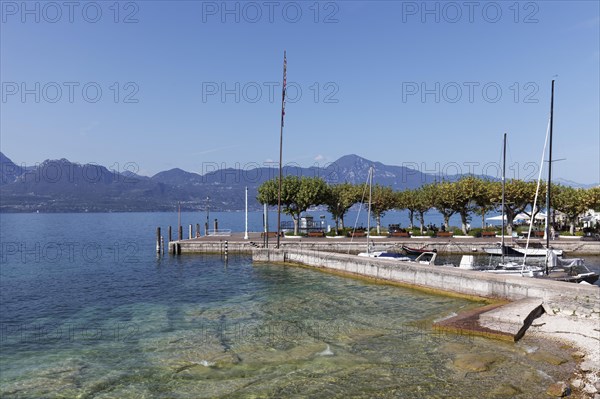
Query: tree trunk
point(447, 222)
point(337, 225)
point(411, 217)
point(509, 224)
point(342, 222)
point(464, 220)
point(378, 221)
point(572, 226)
point(422, 221)
point(296, 222)
point(483, 219)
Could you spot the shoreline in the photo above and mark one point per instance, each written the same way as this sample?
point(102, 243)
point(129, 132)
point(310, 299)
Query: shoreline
point(583, 336)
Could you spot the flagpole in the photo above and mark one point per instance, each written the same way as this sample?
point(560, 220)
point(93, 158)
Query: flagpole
point(281, 148)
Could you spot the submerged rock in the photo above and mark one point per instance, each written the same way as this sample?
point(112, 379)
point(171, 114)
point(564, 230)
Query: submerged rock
point(559, 389)
point(547, 357)
point(577, 355)
point(506, 391)
point(475, 362)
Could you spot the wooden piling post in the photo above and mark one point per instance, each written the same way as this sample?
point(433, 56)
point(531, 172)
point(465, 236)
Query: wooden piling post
point(180, 233)
point(170, 235)
point(197, 229)
point(158, 240)
point(191, 231)
point(226, 248)
point(216, 225)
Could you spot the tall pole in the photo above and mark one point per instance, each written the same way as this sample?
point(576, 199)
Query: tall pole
point(548, 196)
point(179, 220)
point(266, 211)
point(246, 231)
point(369, 209)
point(503, 191)
point(207, 219)
point(281, 148)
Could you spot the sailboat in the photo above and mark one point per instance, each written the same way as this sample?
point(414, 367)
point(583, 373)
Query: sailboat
point(572, 270)
point(527, 250)
point(504, 268)
point(427, 258)
point(371, 253)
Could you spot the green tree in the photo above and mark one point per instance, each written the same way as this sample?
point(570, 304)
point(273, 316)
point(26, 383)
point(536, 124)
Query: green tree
point(465, 193)
point(445, 198)
point(422, 200)
point(382, 201)
point(572, 202)
point(339, 200)
point(402, 201)
point(484, 198)
point(297, 195)
point(519, 195)
point(592, 198)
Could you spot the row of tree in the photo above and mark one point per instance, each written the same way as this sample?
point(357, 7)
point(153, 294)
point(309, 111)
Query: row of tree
point(465, 197)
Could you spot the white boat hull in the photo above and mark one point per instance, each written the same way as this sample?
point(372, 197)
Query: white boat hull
point(537, 251)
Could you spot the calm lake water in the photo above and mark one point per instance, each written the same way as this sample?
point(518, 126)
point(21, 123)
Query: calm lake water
point(88, 310)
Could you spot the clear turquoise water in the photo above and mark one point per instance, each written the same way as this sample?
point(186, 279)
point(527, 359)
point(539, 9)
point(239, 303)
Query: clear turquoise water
point(87, 310)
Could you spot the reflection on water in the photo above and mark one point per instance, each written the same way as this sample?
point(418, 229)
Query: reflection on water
point(195, 327)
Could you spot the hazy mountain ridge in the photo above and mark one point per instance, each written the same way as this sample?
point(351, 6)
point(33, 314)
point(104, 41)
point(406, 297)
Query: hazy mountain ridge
point(64, 186)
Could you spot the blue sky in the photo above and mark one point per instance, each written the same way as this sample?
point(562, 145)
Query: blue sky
point(362, 68)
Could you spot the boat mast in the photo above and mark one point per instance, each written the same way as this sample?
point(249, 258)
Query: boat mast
point(503, 191)
point(548, 196)
point(369, 209)
point(281, 148)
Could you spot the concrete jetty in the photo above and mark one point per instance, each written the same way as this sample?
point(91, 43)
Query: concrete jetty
point(454, 245)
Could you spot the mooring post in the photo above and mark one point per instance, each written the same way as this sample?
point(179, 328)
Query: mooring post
point(158, 240)
point(216, 225)
point(226, 248)
point(170, 235)
point(197, 230)
point(191, 231)
point(180, 233)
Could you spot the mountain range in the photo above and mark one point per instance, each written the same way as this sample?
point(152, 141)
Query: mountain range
point(64, 186)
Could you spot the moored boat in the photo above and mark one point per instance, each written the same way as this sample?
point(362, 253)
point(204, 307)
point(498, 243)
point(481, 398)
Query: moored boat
point(416, 251)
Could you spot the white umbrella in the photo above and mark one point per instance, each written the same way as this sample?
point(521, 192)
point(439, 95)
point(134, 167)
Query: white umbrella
point(520, 216)
point(538, 216)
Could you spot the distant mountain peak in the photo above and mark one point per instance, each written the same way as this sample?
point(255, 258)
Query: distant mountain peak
point(64, 186)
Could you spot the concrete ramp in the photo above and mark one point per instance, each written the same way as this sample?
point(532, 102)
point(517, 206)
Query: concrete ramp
point(508, 322)
point(514, 318)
